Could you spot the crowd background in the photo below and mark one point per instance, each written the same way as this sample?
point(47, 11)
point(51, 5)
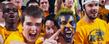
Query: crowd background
point(54, 21)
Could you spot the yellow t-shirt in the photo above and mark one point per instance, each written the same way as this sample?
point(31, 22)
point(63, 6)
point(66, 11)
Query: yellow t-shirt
point(17, 37)
point(91, 33)
point(6, 33)
point(1, 32)
point(19, 12)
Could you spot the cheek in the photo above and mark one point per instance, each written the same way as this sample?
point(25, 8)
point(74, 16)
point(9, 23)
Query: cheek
point(41, 5)
point(38, 30)
point(16, 14)
point(97, 8)
point(26, 27)
point(6, 16)
point(87, 11)
point(48, 5)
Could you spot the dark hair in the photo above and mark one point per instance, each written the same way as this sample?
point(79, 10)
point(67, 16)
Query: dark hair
point(32, 11)
point(51, 18)
point(31, 1)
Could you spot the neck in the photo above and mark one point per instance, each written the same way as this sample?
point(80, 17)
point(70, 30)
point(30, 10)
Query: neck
point(88, 20)
point(11, 26)
point(30, 42)
point(46, 11)
point(1, 20)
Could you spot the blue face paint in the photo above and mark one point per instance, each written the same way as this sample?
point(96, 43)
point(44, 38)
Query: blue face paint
point(67, 17)
point(73, 23)
point(68, 31)
point(68, 35)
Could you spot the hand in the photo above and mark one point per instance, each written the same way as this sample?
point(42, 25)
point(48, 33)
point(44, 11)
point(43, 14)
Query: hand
point(48, 41)
point(51, 39)
point(17, 42)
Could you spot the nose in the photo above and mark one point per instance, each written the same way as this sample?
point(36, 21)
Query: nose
point(95, 7)
point(68, 25)
point(11, 12)
point(44, 4)
point(33, 29)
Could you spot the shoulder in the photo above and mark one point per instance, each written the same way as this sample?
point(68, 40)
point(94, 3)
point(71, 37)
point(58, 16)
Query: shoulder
point(80, 22)
point(100, 21)
point(15, 36)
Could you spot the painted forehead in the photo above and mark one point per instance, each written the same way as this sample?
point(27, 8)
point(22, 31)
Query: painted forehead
point(66, 18)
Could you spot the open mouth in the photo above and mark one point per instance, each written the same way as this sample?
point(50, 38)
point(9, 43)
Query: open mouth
point(93, 11)
point(11, 16)
point(68, 35)
point(32, 35)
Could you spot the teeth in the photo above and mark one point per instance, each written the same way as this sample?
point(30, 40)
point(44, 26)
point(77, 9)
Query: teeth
point(11, 16)
point(68, 32)
point(33, 33)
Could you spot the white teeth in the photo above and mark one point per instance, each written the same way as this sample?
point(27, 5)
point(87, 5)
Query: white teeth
point(33, 33)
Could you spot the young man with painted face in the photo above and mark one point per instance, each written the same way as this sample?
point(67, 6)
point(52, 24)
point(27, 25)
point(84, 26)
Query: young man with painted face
point(32, 25)
point(67, 26)
point(90, 29)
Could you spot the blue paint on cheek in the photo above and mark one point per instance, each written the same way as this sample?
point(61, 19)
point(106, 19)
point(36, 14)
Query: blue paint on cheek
point(59, 21)
point(73, 24)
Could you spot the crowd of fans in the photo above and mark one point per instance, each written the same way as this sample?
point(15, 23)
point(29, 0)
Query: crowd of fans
point(54, 22)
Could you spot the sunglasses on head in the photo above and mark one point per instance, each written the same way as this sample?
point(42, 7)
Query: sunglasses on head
point(7, 10)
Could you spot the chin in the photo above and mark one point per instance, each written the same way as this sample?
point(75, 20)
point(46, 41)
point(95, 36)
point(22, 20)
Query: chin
point(93, 18)
point(31, 40)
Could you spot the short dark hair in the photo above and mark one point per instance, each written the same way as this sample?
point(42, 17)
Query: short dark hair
point(32, 11)
point(31, 1)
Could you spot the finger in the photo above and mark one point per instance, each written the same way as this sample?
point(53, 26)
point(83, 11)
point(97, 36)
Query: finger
point(48, 41)
point(55, 35)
